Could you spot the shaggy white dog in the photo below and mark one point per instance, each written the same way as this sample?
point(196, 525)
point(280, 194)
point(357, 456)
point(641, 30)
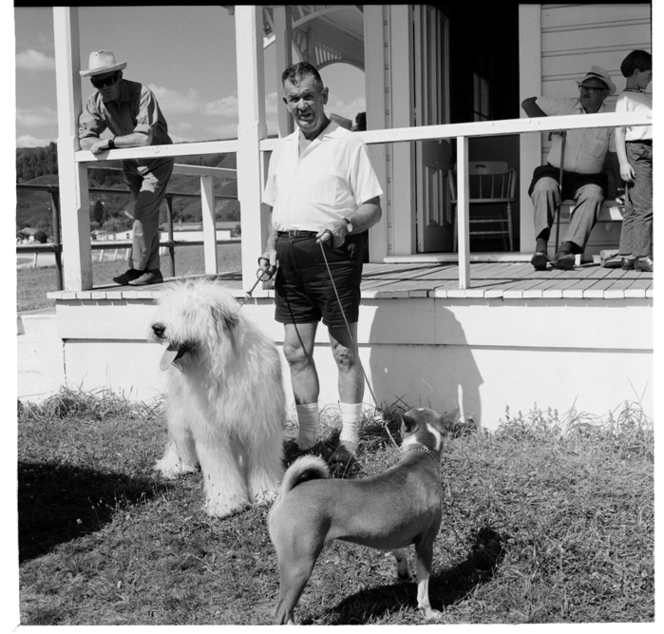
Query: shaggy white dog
point(226, 403)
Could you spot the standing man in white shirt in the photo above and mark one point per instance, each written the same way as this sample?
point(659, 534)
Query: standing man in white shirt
point(583, 176)
point(324, 196)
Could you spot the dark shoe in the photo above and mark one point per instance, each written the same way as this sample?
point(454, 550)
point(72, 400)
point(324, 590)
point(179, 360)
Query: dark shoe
point(152, 276)
point(343, 462)
point(291, 451)
point(343, 454)
point(539, 260)
point(563, 260)
point(627, 264)
point(644, 264)
point(127, 277)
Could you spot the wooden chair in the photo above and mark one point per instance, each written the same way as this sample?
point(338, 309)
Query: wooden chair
point(491, 183)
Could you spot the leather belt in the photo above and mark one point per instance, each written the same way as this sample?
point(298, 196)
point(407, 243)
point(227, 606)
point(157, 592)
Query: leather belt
point(296, 233)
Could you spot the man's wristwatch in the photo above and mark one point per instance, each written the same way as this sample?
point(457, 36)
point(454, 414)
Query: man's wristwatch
point(349, 224)
point(111, 144)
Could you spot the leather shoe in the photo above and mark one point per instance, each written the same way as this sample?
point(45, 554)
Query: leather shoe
point(539, 261)
point(152, 276)
point(563, 260)
point(127, 277)
point(644, 264)
point(627, 264)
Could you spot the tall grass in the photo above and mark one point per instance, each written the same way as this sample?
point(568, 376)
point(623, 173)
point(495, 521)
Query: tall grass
point(549, 519)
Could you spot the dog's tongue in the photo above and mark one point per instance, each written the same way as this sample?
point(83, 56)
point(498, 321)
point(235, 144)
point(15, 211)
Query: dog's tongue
point(167, 358)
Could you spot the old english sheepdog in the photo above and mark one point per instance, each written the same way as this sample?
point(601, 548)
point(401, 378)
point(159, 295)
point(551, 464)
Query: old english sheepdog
point(225, 397)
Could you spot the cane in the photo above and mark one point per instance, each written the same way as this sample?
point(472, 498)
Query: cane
point(563, 134)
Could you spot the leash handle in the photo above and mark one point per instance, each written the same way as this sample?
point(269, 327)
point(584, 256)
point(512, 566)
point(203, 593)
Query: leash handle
point(331, 241)
point(265, 274)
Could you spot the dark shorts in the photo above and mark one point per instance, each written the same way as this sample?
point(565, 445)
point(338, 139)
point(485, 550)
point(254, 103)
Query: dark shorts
point(303, 290)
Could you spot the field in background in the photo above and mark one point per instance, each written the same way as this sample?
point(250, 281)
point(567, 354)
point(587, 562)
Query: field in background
point(33, 284)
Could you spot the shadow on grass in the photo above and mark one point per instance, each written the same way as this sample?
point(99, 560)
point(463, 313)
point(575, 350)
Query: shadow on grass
point(445, 587)
point(58, 503)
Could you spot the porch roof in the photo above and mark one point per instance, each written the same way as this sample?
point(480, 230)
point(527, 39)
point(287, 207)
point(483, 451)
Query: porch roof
point(491, 280)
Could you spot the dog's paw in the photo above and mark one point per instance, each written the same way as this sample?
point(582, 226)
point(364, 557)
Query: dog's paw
point(430, 614)
point(266, 496)
point(217, 508)
point(171, 469)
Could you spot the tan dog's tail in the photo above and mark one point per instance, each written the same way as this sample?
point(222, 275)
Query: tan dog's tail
point(303, 469)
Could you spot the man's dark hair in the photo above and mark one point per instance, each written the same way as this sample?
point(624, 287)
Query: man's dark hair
point(297, 72)
point(636, 60)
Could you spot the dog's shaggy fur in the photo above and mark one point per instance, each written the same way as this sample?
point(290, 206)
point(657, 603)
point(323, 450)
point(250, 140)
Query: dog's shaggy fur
point(225, 396)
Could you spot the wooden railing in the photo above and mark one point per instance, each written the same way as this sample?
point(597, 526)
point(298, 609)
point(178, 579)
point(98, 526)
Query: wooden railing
point(463, 131)
point(459, 131)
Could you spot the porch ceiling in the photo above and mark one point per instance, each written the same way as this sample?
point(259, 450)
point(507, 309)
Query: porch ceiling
point(322, 33)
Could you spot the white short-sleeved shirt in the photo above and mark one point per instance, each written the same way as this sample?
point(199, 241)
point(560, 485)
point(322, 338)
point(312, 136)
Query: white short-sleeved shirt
point(635, 101)
point(329, 181)
point(585, 149)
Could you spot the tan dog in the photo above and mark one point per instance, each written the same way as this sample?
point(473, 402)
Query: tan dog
point(389, 511)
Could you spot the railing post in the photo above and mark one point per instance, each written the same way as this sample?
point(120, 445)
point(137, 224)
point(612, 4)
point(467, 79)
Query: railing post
point(209, 225)
point(169, 228)
point(57, 241)
point(73, 176)
point(251, 129)
point(462, 212)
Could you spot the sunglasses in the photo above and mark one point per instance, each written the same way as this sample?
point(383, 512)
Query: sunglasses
point(591, 89)
point(109, 81)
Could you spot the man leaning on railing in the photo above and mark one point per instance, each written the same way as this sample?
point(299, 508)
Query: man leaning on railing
point(131, 112)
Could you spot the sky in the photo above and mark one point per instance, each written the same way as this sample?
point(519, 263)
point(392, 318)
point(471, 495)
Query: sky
point(185, 54)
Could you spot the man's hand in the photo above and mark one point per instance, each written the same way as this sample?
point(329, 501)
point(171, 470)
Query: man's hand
point(333, 233)
point(627, 172)
point(99, 146)
point(268, 259)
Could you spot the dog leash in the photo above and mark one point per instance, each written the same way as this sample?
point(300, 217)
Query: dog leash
point(262, 275)
point(350, 334)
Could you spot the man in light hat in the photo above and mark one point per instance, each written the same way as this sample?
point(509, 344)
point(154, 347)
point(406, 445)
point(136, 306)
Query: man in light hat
point(583, 177)
point(131, 113)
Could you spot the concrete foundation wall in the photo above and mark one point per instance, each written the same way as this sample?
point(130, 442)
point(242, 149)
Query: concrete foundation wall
point(484, 356)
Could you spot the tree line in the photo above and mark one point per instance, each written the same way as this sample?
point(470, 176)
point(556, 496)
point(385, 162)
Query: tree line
point(109, 211)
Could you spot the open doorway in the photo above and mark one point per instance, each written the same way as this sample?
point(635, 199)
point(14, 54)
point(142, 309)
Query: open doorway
point(480, 48)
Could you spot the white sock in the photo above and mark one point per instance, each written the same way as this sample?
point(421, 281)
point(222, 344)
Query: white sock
point(351, 414)
point(307, 420)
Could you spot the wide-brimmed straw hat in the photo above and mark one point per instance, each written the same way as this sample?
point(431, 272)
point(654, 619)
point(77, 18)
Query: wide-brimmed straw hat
point(597, 72)
point(101, 62)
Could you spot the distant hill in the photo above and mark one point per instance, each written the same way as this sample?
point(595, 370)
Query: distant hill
point(38, 166)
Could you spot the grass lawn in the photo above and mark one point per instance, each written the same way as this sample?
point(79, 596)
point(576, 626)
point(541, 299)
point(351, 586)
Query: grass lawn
point(33, 284)
point(544, 522)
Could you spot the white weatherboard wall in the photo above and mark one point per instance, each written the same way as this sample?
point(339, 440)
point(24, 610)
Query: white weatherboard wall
point(484, 355)
point(558, 43)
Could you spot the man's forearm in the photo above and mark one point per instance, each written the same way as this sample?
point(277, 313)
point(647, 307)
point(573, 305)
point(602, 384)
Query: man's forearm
point(135, 139)
point(531, 108)
point(366, 215)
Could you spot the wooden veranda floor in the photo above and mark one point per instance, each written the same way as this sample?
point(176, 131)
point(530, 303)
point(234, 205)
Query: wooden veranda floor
point(514, 280)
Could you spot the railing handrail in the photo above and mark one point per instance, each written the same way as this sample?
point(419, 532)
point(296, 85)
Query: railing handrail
point(113, 190)
point(459, 131)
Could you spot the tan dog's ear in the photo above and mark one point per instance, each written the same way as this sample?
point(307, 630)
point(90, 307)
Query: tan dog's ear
point(408, 424)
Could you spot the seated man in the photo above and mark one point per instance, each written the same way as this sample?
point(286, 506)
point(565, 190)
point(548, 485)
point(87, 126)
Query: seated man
point(583, 179)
